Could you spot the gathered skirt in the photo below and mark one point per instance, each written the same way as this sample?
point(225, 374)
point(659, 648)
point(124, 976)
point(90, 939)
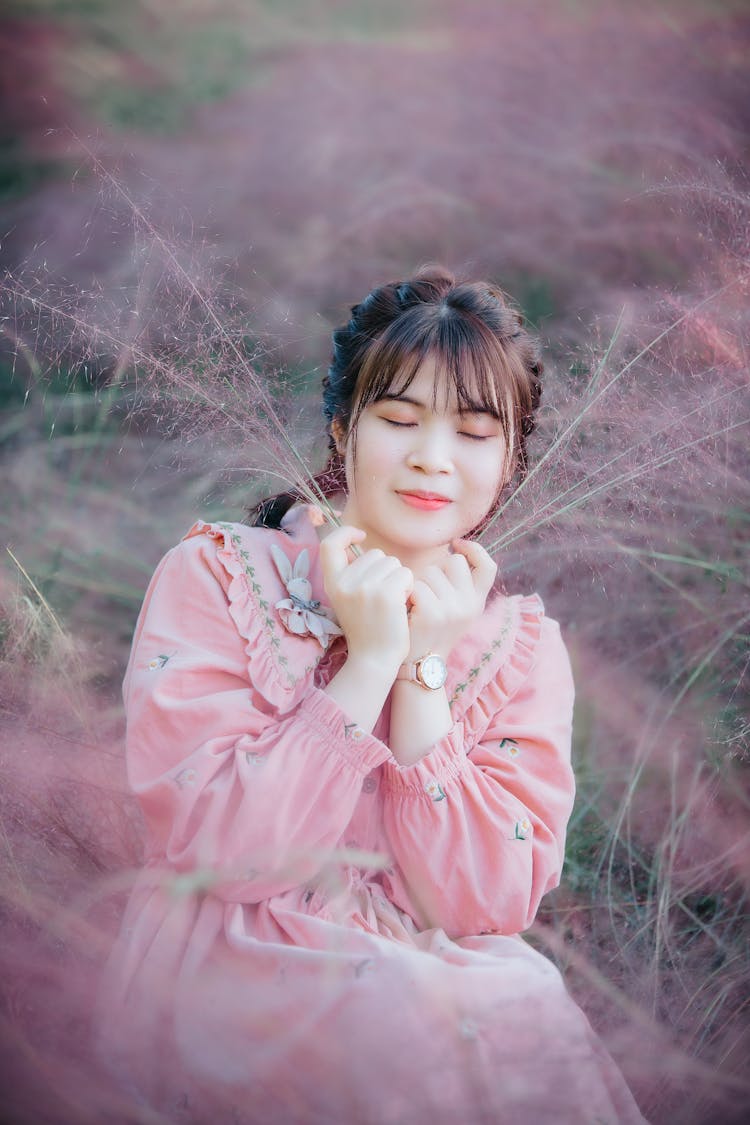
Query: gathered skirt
point(276, 1013)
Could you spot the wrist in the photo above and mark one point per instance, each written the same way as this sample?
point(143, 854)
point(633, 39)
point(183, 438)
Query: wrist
point(426, 640)
point(379, 666)
point(428, 672)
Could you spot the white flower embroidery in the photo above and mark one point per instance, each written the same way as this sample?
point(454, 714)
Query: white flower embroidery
point(300, 613)
point(434, 789)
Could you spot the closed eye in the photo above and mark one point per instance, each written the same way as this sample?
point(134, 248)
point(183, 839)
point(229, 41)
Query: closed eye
point(393, 422)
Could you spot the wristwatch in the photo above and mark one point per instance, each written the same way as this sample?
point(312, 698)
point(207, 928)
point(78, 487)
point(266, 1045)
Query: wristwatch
point(429, 671)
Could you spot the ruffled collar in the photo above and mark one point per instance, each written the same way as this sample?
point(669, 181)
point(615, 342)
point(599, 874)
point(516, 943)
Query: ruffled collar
point(502, 642)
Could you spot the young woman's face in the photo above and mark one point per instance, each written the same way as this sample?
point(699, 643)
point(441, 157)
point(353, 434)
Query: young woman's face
point(424, 474)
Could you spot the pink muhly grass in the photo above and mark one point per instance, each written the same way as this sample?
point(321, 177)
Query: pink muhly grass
point(599, 152)
point(623, 524)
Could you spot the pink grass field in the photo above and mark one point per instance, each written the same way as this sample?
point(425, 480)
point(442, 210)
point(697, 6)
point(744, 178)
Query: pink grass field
point(198, 191)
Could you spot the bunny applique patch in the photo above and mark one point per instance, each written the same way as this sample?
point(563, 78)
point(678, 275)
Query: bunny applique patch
point(300, 613)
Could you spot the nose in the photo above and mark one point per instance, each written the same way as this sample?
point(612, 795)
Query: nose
point(432, 451)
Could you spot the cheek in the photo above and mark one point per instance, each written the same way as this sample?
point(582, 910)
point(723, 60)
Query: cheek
point(488, 474)
point(373, 465)
point(487, 479)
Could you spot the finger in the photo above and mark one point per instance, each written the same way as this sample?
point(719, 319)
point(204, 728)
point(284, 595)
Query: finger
point(483, 567)
point(363, 566)
point(385, 573)
point(401, 581)
point(440, 583)
point(458, 572)
point(334, 549)
point(383, 567)
point(474, 553)
point(373, 572)
point(422, 597)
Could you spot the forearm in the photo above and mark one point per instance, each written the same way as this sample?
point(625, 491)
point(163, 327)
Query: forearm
point(360, 688)
point(419, 719)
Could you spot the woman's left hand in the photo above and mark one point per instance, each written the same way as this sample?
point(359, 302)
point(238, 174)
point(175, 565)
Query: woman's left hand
point(448, 599)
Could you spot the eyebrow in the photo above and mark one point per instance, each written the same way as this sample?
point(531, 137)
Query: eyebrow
point(470, 408)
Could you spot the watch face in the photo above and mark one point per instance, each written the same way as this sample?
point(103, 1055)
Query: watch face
point(433, 672)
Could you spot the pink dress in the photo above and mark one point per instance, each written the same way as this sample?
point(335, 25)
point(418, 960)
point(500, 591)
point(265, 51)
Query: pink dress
point(320, 935)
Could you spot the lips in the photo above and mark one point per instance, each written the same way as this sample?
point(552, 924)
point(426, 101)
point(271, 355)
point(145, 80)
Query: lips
point(426, 501)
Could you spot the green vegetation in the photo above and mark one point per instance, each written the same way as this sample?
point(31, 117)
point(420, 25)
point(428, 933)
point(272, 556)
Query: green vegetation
point(146, 67)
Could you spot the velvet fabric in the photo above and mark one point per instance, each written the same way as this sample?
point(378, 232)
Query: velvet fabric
point(319, 934)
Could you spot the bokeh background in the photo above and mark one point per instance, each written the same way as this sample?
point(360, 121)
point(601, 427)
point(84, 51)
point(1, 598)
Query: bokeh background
point(192, 193)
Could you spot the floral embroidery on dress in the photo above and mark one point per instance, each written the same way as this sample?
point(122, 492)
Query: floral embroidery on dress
point(185, 777)
point(511, 746)
point(253, 758)
point(522, 829)
point(434, 789)
point(300, 613)
point(468, 1030)
point(230, 535)
point(352, 730)
point(158, 661)
point(485, 657)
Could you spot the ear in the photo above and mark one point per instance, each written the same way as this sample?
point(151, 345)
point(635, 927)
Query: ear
point(338, 433)
point(283, 565)
point(301, 564)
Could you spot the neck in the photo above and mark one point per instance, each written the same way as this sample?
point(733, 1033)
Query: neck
point(417, 559)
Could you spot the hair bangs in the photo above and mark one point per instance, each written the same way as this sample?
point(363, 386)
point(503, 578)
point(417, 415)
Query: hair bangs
point(473, 367)
point(468, 362)
point(393, 361)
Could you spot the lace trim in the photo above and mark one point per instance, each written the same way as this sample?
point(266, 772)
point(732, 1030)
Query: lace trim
point(254, 617)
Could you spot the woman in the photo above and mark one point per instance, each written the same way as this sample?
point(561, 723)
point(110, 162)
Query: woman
point(352, 753)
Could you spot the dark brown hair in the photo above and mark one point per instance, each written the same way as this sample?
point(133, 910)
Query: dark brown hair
point(481, 347)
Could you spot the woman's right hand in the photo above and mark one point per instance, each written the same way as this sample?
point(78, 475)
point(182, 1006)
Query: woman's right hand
point(369, 596)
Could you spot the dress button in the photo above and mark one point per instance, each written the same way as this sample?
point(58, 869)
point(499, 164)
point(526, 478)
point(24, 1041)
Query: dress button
point(369, 785)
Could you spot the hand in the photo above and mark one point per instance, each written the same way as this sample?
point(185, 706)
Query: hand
point(369, 597)
point(448, 599)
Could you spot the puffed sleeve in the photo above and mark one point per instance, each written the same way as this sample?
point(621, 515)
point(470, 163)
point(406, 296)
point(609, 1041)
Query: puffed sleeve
point(477, 828)
point(245, 796)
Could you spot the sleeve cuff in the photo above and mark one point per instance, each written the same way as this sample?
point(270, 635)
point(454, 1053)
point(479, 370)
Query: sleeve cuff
point(339, 733)
point(428, 777)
